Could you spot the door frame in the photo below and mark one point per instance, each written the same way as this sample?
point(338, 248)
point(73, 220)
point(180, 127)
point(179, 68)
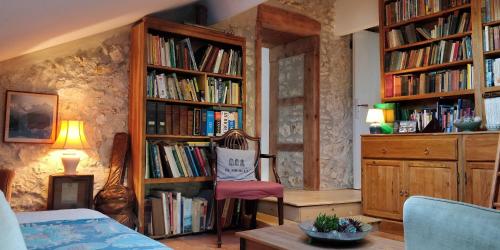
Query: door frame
point(278, 26)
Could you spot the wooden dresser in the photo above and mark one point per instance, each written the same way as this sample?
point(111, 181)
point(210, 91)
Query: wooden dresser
point(457, 166)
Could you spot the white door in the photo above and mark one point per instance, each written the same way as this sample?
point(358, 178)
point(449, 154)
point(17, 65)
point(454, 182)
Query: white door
point(366, 90)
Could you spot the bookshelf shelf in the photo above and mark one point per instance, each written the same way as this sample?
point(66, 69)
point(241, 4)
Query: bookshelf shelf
point(428, 17)
point(491, 23)
point(429, 96)
point(421, 43)
point(430, 68)
point(491, 89)
point(178, 180)
point(193, 103)
point(193, 72)
point(148, 114)
point(490, 54)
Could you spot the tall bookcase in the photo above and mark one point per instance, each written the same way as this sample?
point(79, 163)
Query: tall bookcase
point(474, 8)
point(139, 97)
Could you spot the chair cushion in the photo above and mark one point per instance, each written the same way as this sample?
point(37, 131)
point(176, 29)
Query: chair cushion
point(249, 190)
point(11, 237)
point(235, 165)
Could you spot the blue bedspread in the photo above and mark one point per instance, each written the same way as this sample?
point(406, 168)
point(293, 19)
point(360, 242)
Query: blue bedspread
point(102, 233)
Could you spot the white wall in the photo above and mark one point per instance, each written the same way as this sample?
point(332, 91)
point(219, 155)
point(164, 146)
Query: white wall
point(265, 114)
point(355, 15)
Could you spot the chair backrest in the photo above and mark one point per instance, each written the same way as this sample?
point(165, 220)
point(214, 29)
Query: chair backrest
point(235, 139)
point(6, 179)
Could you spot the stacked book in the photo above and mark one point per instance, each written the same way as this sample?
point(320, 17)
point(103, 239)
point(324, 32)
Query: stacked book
point(170, 213)
point(491, 38)
point(490, 10)
point(189, 159)
point(444, 112)
point(492, 111)
point(492, 67)
point(213, 90)
point(453, 24)
point(439, 53)
point(165, 119)
point(217, 60)
point(402, 10)
point(431, 82)
point(170, 53)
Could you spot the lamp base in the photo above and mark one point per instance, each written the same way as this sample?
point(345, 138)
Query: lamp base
point(70, 162)
point(375, 129)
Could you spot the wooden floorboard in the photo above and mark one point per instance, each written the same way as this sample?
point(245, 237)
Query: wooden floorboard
point(204, 241)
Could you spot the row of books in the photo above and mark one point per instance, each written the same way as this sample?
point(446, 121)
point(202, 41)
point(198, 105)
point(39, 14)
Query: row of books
point(177, 160)
point(402, 10)
point(492, 68)
point(491, 38)
point(165, 119)
point(444, 112)
point(168, 52)
point(214, 90)
point(492, 111)
point(490, 10)
point(453, 24)
point(169, 213)
point(431, 82)
point(442, 52)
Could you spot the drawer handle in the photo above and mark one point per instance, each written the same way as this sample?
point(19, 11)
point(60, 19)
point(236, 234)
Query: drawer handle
point(426, 151)
point(401, 193)
point(384, 151)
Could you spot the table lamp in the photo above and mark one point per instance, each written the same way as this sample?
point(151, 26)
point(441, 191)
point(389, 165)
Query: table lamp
point(375, 117)
point(71, 137)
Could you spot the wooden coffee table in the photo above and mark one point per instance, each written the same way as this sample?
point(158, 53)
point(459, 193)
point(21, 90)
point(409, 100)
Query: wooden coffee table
point(291, 237)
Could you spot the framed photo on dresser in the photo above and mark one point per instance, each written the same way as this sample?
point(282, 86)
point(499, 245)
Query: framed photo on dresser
point(70, 191)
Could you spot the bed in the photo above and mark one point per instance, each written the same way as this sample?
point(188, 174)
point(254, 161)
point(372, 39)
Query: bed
point(79, 229)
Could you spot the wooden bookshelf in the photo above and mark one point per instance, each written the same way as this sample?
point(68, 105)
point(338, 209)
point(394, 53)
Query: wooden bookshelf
point(138, 98)
point(477, 60)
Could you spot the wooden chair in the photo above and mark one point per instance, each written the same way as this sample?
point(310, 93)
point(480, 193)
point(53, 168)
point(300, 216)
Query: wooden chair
point(6, 179)
point(247, 190)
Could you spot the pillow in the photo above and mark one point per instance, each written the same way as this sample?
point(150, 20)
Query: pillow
point(10, 232)
point(235, 165)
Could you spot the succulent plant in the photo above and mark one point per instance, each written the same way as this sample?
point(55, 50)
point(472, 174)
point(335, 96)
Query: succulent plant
point(326, 223)
point(349, 225)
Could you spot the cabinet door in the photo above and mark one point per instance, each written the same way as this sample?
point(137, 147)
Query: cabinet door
point(382, 188)
point(431, 178)
point(478, 178)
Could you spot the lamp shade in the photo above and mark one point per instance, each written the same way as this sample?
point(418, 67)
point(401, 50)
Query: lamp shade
point(71, 136)
point(375, 116)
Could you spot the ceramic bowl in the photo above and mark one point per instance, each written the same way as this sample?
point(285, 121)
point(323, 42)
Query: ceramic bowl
point(467, 125)
point(310, 230)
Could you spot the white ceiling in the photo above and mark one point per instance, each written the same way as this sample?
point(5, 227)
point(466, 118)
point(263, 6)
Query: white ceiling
point(31, 25)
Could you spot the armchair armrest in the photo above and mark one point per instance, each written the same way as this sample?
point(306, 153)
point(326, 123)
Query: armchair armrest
point(272, 157)
point(268, 156)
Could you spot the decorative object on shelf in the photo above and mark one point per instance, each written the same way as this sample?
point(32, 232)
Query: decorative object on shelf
point(492, 111)
point(30, 117)
point(71, 137)
point(407, 127)
point(332, 228)
point(70, 191)
point(389, 115)
point(375, 117)
point(468, 123)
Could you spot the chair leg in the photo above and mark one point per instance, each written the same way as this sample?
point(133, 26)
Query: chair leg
point(254, 214)
point(219, 206)
point(280, 210)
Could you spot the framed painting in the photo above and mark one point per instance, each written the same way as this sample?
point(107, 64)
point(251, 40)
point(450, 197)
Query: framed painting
point(30, 117)
point(70, 191)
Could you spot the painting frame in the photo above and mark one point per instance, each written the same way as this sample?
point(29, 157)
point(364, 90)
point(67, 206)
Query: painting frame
point(70, 191)
point(46, 131)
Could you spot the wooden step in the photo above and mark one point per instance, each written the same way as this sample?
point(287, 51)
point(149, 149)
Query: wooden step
point(301, 205)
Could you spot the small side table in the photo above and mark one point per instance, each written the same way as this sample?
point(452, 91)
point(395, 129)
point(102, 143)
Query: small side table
point(70, 191)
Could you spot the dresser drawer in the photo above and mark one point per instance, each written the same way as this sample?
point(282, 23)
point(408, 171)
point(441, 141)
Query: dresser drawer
point(410, 147)
point(482, 147)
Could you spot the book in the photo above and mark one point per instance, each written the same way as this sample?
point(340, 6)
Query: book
point(151, 119)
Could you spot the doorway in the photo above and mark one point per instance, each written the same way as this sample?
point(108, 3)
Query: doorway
point(292, 107)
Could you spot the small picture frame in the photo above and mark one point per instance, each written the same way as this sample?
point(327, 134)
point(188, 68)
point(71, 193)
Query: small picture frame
point(70, 191)
point(30, 117)
point(407, 127)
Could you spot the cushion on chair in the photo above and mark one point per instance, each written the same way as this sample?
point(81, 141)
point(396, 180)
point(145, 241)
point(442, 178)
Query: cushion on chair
point(235, 165)
point(249, 190)
point(11, 237)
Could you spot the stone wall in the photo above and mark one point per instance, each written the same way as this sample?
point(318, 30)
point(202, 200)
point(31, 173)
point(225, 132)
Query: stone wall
point(335, 81)
point(91, 78)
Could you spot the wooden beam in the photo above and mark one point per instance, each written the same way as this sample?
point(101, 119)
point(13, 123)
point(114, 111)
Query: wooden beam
point(277, 19)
